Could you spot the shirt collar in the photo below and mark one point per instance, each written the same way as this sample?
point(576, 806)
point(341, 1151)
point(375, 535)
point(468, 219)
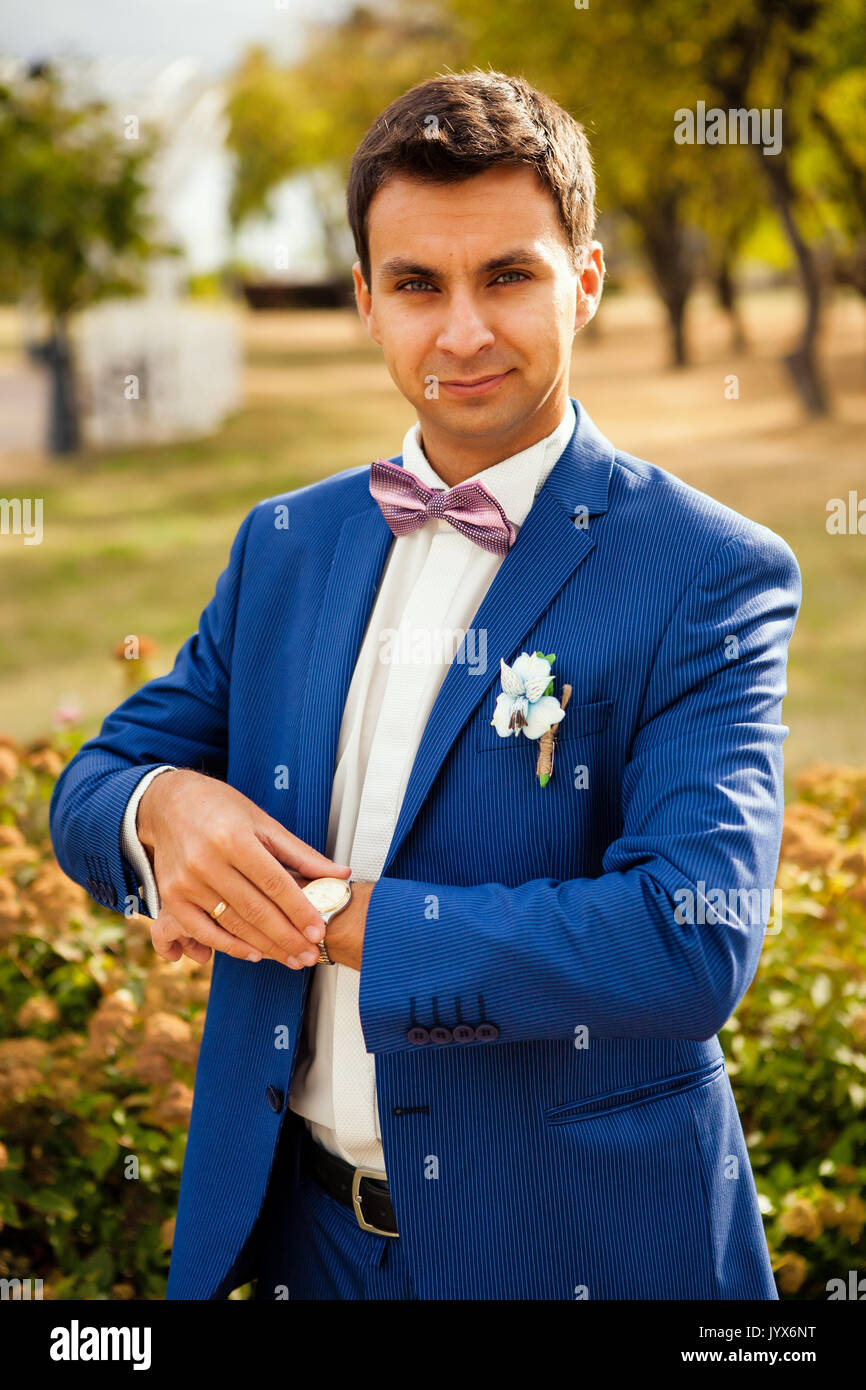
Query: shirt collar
point(515, 482)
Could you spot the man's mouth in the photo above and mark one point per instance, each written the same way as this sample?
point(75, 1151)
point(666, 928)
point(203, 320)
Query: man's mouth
point(476, 386)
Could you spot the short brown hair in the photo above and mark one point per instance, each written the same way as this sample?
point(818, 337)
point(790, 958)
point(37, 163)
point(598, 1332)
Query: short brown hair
point(459, 124)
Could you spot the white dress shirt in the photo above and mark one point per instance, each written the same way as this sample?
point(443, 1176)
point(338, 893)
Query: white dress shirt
point(432, 585)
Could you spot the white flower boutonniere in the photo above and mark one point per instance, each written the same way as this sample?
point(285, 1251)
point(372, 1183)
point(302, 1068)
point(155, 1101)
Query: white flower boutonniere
point(527, 704)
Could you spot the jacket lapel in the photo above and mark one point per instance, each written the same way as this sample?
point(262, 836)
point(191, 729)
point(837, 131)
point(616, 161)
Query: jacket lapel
point(350, 592)
point(548, 549)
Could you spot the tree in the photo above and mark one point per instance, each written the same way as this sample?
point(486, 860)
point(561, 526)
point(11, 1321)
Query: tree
point(73, 227)
point(309, 117)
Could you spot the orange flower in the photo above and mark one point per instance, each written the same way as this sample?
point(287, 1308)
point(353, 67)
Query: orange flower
point(56, 894)
point(46, 760)
point(828, 1211)
point(801, 1219)
point(167, 1029)
point(852, 1218)
point(8, 765)
point(803, 840)
point(20, 1067)
point(790, 1272)
point(173, 1109)
point(112, 1023)
point(39, 1008)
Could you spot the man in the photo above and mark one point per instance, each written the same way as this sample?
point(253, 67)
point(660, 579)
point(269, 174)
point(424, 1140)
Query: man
point(562, 836)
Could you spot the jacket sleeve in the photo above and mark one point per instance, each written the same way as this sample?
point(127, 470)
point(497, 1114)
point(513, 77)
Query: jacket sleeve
point(665, 942)
point(180, 718)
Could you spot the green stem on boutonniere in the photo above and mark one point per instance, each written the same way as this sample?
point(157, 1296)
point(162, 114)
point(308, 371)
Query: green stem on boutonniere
point(547, 743)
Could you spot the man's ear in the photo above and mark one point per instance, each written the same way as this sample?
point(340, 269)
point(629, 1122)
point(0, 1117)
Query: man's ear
point(590, 282)
point(364, 302)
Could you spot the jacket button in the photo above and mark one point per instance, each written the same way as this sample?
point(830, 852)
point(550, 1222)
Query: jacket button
point(275, 1099)
point(463, 1033)
point(419, 1036)
point(486, 1032)
point(440, 1034)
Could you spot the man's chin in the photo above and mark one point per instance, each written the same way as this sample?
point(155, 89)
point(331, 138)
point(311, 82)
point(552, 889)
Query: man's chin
point(474, 416)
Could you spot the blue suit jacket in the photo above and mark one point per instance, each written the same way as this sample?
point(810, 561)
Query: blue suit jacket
point(587, 1143)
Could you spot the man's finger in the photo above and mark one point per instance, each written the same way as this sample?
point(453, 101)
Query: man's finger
point(294, 852)
point(197, 924)
point(296, 915)
point(221, 883)
point(196, 950)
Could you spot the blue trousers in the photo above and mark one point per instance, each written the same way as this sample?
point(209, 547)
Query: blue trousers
point(311, 1246)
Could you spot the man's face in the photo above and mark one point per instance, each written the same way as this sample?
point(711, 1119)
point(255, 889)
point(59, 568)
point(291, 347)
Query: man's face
point(475, 303)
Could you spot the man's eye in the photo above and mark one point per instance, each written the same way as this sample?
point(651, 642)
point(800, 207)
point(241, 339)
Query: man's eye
point(407, 284)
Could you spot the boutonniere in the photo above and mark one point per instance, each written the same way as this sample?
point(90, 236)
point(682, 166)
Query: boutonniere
point(528, 705)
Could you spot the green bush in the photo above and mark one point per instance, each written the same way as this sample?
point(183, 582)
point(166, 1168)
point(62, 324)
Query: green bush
point(99, 1038)
point(98, 1043)
point(796, 1047)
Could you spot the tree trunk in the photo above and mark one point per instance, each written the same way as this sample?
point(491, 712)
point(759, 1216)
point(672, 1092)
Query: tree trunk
point(676, 308)
point(802, 363)
point(63, 434)
point(665, 243)
point(726, 292)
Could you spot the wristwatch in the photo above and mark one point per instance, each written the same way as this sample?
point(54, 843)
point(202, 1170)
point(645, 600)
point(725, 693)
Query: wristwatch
point(329, 896)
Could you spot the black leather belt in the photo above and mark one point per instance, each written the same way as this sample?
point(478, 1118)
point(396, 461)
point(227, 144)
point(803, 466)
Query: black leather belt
point(363, 1192)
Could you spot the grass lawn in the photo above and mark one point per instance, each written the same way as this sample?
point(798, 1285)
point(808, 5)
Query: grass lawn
point(134, 539)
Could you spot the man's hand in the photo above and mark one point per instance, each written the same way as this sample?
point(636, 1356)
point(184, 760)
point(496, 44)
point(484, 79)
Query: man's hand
point(344, 934)
point(209, 843)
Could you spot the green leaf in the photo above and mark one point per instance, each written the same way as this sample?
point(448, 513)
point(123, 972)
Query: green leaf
point(52, 1203)
point(544, 779)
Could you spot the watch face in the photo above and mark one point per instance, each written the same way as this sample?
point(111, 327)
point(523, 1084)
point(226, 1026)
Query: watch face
point(327, 894)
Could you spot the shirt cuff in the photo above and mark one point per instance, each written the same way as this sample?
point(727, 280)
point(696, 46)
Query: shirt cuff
point(132, 848)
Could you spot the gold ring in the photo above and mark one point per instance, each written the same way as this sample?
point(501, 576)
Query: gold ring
point(217, 912)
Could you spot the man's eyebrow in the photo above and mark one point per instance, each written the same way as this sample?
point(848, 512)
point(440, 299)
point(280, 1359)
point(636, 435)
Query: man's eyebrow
point(399, 265)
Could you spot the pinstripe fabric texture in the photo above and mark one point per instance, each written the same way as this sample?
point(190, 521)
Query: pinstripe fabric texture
point(585, 1142)
point(316, 1249)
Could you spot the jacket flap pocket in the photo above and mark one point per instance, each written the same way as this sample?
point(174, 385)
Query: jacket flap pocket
point(579, 722)
point(593, 1106)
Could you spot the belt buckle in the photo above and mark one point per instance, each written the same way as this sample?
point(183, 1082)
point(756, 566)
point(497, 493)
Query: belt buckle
point(358, 1174)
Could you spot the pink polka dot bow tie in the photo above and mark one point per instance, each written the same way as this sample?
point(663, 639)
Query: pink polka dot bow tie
point(407, 503)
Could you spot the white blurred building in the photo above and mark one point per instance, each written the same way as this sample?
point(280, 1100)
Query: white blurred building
point(161, 366)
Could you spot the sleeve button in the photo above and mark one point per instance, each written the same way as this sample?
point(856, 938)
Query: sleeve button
point(463, 1033)
point(486, 1032)
point(439, 1034)
point(419, 1036)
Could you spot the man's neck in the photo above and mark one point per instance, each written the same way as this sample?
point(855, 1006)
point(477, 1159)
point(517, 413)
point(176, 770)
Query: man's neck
point(458, 457)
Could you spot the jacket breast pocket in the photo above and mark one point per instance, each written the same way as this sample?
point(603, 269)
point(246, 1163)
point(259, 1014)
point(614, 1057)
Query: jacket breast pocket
point(614, 1101)
point(580, 722)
